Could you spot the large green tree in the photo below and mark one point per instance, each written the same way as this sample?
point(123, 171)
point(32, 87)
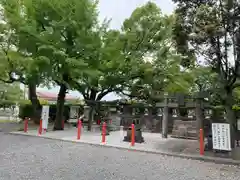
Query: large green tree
point(52, 36)
point(111, 69)
point(120, 57)
point(211, 29)
point(148, 34)
point(19, 60)
point(10, 94)
point(63, 41)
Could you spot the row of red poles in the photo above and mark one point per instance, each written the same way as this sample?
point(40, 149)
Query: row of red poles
point(104, 132)
point(40, 129)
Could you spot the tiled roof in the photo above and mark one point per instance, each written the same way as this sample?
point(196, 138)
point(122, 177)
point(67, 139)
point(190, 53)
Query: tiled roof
point(53, 96)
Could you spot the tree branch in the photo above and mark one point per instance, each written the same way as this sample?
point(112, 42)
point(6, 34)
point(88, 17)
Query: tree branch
point(236, 85)
point(80, 88)
point(11, 79)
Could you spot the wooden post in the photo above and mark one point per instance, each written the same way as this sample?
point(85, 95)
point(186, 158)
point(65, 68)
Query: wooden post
point(199, 115)
point(165, 119)
point(63, 123)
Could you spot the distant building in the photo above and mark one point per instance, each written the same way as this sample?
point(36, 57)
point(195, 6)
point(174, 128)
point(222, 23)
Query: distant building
point(52, 97)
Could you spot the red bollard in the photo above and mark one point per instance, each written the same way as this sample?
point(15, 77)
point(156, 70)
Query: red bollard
point(79, 129)
point(26, 125)
point(104, 132)
point(40, 128)
point(201, 142)
point(98, 122)
point(133, 135)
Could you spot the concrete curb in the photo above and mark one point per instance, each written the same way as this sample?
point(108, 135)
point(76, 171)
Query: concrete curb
point(215, 160)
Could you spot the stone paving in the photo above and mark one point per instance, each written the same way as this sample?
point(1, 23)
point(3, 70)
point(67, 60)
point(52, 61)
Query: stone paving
point(32, 158)
point(153, 141)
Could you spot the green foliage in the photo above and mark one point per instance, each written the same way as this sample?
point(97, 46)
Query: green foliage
point(18, 48)
point(208, 28)
point(10, 94)
point(149, 42)
point(25, 110)
point(211, 29)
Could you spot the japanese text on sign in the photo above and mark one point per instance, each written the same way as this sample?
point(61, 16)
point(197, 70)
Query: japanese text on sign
point(221, 136)
point(45, 116)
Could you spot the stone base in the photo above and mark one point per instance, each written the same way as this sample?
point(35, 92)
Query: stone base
point(138, 136)
point(184, 129)
point(107, 133)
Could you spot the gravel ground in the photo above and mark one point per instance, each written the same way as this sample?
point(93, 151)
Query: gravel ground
point(30, 158)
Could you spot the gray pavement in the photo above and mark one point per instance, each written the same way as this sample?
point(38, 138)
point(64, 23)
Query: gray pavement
point(154, 143)
point(26, 157)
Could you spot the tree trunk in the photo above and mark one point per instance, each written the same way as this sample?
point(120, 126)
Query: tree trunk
point(165, 119)
point(90, 120)
point(91, 104)
point(36, 106)
point(60, 107)
point(231, 117)
point(199, 117)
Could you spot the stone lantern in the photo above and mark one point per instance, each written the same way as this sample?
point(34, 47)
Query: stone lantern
point(160, 112)
point(146, 112)
point(191, 113)
point(174, 113)
point(224, 115)
point(133, 111)
point(208, 113)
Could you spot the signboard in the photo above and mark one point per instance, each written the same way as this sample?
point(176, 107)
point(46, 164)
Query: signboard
point(238, 124)
point(45, 116)
point(74, 112)
point(221, 136)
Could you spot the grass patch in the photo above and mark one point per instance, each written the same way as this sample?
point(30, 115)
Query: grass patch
point(4, 121)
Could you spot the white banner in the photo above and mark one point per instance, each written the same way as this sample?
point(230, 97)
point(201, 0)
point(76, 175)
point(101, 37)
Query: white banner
point(74, 112)
point(45, 116)
point(221, 136)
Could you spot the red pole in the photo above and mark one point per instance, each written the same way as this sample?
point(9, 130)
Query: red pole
point(26, 125)
point(104, 132)
point(40, 128)
point(133, 135)
point(79, 129)
point(201, 142)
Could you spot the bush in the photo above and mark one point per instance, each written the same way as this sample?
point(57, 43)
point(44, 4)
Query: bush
point(25, 110)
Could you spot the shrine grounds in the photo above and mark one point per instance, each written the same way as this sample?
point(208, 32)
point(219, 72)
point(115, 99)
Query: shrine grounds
point(154, 143)
point(33, 158)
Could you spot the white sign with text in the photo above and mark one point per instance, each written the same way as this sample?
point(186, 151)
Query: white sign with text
point(238, 124)
point(221, 136)
point(45, 116)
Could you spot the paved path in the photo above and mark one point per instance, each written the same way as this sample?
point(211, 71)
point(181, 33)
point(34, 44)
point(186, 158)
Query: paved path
point(153, 143)
point(25, 157)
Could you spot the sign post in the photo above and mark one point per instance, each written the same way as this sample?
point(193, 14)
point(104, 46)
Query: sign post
point(74, 114)
point(44, 117)
point(221, 136)
point(238, 124)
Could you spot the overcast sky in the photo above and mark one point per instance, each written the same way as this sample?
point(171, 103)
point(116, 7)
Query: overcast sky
point(117, 11)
